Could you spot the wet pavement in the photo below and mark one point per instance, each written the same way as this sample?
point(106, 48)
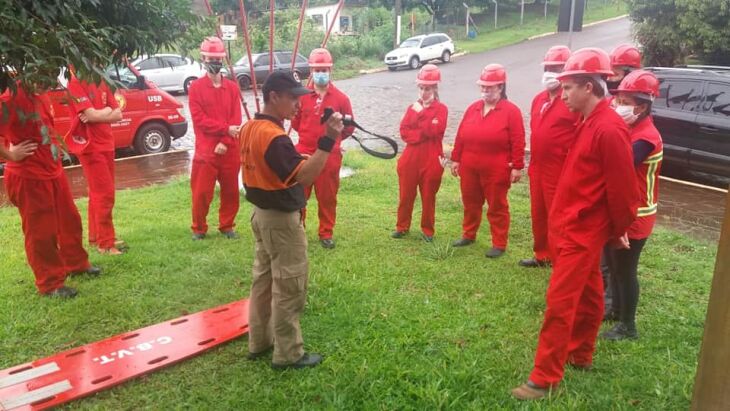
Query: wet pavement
point(131, 172)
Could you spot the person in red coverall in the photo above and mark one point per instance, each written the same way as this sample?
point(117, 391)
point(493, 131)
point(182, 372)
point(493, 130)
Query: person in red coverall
point(595, 203)
point(419, 168)
point(37, 186)
point(625, 58)
point(307, 124)
point(488, 156)
point(552, 131)
point(633, 103)
point(215, 106)
point(97, 108)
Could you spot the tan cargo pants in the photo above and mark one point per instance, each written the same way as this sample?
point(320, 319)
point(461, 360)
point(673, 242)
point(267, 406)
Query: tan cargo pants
point(279, 287)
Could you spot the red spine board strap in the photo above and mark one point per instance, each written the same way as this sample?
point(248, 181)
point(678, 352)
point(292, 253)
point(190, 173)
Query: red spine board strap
point(91, 368)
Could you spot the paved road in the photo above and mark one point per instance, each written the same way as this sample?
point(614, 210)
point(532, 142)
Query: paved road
point(379, 100)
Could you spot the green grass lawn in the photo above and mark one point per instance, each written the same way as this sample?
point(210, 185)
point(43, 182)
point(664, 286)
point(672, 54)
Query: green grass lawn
point(402, 324)
point(509, 30)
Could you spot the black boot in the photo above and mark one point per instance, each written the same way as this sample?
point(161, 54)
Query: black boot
point(620, 331)
point(462, 242)
point(398, 234)
point(307, 360)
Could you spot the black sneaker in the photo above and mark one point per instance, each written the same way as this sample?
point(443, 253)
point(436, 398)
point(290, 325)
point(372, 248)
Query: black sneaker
point(62, 292)
point(427, 238)
point(230, 234)
point(307, 360)
point(620, 331)
point(533, 263)
point(327, 243)
point(198, 236)
point(253, 356)
point(462, 242)
point(398, 234)
point(92, 270)
point(494, 252)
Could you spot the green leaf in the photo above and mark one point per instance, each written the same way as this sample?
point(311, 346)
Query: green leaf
point(46, 136)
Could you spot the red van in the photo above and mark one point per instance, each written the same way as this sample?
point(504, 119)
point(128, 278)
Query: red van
point(151, 118)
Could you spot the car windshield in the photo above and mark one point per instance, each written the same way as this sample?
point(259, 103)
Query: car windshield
point(410, 43)
point(243, 61)
point(125, 75)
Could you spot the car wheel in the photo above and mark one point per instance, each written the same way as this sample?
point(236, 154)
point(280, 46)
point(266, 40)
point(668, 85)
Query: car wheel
point(186, 84)
point(446, 56)
point(414, 62)
point(152, 138)
point(392, 68)
point(244, 82)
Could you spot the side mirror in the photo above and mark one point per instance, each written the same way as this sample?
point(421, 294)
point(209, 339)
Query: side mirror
point(141, 83)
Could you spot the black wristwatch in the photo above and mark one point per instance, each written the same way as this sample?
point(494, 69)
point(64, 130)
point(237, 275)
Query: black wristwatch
point(325, 144)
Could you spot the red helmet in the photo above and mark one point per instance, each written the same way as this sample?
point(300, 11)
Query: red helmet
point(75, 138)
point(589, 60)
point(556, 56)
point(492, 75)
point(640, 81)
point(320, 58)
point(626, 55)
point(429, 74)
point(212, 47)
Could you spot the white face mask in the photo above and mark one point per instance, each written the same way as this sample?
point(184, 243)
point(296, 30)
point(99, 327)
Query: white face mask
point(490, 97)
point(627, 113)
point(550, 81)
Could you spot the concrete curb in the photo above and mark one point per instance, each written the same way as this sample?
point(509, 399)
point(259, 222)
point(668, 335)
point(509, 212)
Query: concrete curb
point(585, 25)
point(382, 69)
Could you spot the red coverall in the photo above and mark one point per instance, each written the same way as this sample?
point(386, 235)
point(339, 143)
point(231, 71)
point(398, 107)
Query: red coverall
point(419, 168)
point(307, 125)
point(97, 159)
point(38, 187)
point(484, 147)
point(596, 201)
point(552, 134)
point(214, 110)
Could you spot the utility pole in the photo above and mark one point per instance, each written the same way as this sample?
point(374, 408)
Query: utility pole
point(398, 12)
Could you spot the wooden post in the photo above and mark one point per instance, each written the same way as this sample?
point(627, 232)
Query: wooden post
point(711, 383)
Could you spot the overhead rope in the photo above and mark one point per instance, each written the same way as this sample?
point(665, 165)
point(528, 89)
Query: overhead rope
point(247, 45)
point(305, 3)
point(231, 73)
point(272, 7)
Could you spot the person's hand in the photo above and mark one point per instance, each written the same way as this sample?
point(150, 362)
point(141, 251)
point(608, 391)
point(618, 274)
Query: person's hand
point(220, 149)
point(84, 118)
point(233, 130)
point(305, 156)
point(515, 176)
point(417, 107)
point(335, 126)
point(22, 150)
point(621, 243)
point(455, 169)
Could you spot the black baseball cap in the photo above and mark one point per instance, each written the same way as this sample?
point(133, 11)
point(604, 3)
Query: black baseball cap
point(284, 81)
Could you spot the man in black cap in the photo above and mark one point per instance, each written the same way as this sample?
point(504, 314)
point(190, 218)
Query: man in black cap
point(274, 176)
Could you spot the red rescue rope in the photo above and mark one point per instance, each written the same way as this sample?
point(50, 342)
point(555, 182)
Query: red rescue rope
point(247, 44)
point(299, 36)
point(272, 5)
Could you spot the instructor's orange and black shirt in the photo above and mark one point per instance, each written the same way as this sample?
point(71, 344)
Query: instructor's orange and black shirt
point(269, 163)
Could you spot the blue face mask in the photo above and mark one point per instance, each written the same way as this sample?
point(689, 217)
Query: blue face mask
point(321, 79)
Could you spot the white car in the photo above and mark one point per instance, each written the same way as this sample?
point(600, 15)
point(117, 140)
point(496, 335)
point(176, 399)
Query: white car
point(421, 49)
point(169, 72)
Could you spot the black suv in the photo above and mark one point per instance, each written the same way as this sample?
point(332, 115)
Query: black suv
point(692, 113)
